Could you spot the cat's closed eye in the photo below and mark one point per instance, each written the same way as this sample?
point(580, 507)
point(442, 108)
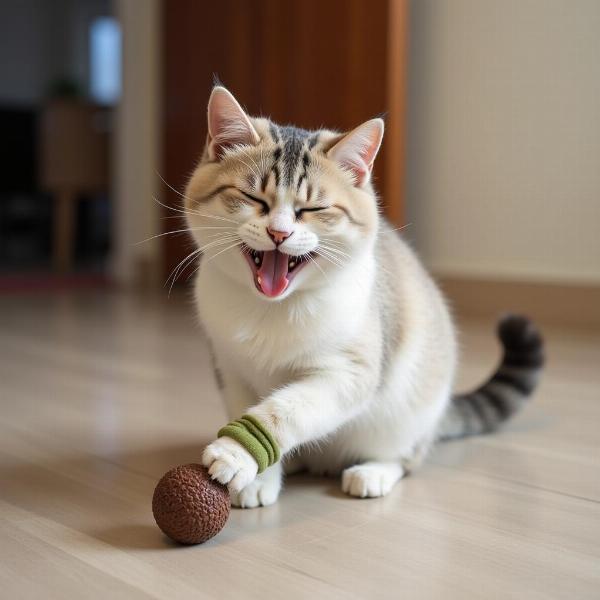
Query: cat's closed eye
point(300, 211)
point(265, 208)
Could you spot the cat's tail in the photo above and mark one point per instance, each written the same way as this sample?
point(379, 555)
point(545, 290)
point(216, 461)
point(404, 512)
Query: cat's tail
point(486, 408)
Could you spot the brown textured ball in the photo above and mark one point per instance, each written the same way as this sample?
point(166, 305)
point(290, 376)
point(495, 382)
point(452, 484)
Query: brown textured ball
point(189, 506)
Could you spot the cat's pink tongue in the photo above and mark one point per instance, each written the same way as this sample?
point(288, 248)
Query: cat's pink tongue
point(272, 275)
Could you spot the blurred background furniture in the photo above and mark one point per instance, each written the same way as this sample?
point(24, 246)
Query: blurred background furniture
point(73, 162)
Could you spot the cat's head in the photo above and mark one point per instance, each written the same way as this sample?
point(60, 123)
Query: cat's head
point(281, 209)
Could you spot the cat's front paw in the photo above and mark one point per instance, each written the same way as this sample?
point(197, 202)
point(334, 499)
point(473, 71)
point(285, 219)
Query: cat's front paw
point(261, 492)
point(230, 463)
point(370, 480)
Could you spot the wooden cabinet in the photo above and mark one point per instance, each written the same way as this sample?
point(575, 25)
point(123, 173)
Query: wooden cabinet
point(308, 62)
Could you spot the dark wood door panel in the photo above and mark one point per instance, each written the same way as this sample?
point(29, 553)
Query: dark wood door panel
point(311, 62)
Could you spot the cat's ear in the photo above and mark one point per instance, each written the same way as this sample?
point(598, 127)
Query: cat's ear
point(228, 124)
point(357, 150)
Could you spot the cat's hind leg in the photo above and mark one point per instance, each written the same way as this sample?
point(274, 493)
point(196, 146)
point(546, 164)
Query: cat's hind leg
point(371, 479)
point(263, 491)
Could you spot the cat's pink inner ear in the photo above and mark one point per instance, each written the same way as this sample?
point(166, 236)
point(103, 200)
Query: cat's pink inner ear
point(357, 150)
point(228, 124)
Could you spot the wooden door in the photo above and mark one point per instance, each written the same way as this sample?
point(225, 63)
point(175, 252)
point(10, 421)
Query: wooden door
point(312, 63)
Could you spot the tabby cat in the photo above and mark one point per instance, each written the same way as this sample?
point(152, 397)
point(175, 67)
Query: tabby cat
point(324, 325)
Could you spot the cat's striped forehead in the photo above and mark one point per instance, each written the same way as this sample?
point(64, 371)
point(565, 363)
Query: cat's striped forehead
point(287, 158)
point(292, 151)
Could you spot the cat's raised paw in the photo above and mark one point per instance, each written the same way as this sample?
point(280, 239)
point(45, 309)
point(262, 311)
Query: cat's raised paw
point(370, 480)
point(229, 463)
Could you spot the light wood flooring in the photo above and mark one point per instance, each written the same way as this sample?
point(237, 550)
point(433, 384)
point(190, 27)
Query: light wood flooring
point(100, 393)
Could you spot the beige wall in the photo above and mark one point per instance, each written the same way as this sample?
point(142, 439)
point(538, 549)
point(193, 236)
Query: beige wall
point(137, 145)
point(504, 137)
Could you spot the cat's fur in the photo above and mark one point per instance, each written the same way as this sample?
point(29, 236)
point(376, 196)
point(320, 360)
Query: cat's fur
point(351, 366)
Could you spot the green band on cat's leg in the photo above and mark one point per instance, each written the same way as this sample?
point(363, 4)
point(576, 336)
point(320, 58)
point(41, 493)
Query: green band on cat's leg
point(240, 434)
point(258, 434)
point(267, 434)
point(250, 433)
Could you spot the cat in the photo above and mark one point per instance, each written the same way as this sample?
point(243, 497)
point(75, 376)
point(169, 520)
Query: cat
point(323, 324)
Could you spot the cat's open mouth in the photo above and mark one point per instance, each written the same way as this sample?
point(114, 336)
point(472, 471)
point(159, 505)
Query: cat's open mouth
point(273, 270)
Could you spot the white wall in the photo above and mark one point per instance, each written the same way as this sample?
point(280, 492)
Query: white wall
point(504, 138)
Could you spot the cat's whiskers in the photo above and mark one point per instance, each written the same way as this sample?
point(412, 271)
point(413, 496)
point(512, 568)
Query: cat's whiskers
point(171, 187)
point(221, 233)
point(316, 264)
point(343, 258)
point(335, 250)
point(329, 244)
point(188, 211)
point(340, 264)
point(208, 216)
point(173, 208)
point(174, 274)
point(332, 259)
point(334, 245)
point(187, 229)
point(193, 212)
point(182, 265)
point(225, 241)
point(399, 228)
point(238, 243)
point(332, 241)
point(177, 192)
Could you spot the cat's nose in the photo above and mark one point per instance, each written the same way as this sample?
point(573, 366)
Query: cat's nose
point(278, 236)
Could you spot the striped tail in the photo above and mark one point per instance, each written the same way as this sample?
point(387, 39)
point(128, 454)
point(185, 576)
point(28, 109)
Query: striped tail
point(486, 408)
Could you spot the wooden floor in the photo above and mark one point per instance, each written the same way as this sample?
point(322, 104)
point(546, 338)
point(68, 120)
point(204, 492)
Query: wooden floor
point(101, 393)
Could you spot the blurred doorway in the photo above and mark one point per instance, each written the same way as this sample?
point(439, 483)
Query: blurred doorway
point(59, 82)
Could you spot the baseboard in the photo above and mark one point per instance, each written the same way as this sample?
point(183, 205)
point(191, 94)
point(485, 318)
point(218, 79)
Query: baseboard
point(548, 303)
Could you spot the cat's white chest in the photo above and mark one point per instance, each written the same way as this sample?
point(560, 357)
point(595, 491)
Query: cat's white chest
point(265, 342)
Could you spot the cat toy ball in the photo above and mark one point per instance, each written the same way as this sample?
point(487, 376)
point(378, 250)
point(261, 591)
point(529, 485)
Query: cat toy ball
point(188, 506)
